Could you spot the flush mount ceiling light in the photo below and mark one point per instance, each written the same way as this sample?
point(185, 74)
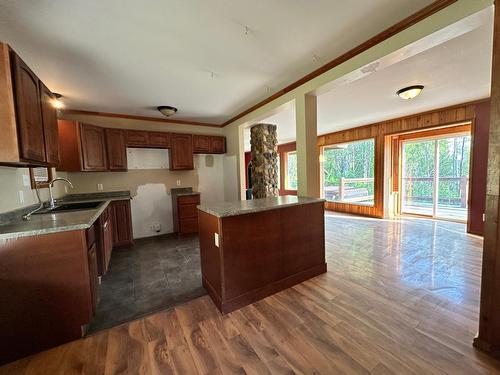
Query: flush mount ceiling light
point(410, 92)
point(57, 103)
point(167, 110)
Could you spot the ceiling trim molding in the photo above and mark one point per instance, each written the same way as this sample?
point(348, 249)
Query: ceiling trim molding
point(422, 14)
point(142, 118)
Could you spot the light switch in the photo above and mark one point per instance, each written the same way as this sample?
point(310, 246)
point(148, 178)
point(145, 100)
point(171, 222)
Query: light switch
point(99, 187)
point(216, 239)
point(21, 196)
point(178, 182)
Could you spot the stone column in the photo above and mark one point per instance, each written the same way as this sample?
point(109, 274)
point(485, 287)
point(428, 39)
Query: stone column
point(264, 143)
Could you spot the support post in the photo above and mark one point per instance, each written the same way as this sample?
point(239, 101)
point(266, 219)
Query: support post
point(307, 151)
point(488, 337)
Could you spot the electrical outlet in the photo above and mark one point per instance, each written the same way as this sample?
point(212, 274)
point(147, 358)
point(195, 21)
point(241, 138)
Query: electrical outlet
point(65, 188)
point(156, 227)
point(26, 180)
point(178, 182)
point(21, 196)
point(216, 239)
point(99, 187)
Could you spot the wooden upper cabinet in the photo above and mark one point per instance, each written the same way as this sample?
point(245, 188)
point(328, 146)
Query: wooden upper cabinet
point(28, 111)
point(93, 148)
point(137, 138)
point(209, 144)
point(116, 149)
point(217, 145)
point(159, 139)
point(181, 152)
point(201, 144)
point(50, 131)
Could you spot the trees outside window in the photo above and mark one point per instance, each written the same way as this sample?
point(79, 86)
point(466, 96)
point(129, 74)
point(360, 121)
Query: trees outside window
point(348, 172)
point(291, 170)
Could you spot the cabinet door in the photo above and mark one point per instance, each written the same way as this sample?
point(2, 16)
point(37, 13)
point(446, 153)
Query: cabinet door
point(93, 276)
point(122, 224)
point(159, 139)
point(137, 138)
point(217, 145)
point(93, 148)
point(50, 130)
point(28, 111)
point(181, 152)
point(201, 144)
point(116, 150)
point(107, 242)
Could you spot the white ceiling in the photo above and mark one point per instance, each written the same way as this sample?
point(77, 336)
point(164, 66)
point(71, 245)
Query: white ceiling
point(128, 56)
point(453, 72)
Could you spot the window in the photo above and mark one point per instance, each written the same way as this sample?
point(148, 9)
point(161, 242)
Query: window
point(278, 161)
point(291, 170)
point(40, 177)
point(348, 172)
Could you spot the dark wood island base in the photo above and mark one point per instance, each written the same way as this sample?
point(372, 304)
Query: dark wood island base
point(252, 249)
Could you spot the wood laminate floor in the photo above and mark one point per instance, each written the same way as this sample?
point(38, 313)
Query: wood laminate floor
point(399, 297)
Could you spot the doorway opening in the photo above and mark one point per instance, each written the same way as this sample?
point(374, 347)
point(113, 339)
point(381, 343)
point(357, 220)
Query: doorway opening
point(434, 173)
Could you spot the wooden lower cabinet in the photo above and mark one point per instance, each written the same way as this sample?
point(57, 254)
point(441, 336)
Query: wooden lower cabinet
point(93, 276)
point(260, 253)
point(122, 223)
point(105, 240)
point(46, 291)
point(186, 214)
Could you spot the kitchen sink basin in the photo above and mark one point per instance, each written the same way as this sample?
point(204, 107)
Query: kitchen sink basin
point(70, 207)
point(76, 206)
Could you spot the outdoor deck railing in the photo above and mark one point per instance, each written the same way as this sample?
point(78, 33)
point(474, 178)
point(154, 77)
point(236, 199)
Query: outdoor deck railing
point(462, 186)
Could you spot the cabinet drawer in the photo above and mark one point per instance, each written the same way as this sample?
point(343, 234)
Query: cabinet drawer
point(187, 211)
point(188, 225)
point(189, 199)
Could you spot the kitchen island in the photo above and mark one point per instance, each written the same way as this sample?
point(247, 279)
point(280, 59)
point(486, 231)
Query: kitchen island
point(252, 249)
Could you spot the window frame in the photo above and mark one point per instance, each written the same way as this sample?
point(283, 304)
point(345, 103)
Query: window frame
point(286, 187)
point(321, 171)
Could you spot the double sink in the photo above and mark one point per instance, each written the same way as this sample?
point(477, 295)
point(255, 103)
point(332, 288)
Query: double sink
point(76, 206)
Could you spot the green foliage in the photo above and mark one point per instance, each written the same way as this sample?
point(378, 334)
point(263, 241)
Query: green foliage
point(419, 163)
point(292, 170)
point(356, 160)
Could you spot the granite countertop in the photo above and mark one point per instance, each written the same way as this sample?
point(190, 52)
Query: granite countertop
point(62, 221)
point(225, 209)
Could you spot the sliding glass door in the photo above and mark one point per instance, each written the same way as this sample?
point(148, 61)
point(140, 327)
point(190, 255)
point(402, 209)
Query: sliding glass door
point(435, 176)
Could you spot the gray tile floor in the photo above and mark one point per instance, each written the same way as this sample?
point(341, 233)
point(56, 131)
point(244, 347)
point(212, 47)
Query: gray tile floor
point(156, 274)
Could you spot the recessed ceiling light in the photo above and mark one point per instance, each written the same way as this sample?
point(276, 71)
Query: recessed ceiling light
point(167, 110)
point(57, 103)
point(410, 92)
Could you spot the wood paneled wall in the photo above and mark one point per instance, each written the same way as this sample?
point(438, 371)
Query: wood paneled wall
point(379, 131)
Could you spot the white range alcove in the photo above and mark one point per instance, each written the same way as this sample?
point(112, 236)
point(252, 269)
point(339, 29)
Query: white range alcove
point(152, 206)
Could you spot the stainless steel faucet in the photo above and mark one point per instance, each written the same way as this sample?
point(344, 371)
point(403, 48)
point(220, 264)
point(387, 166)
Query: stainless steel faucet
point(52, 201)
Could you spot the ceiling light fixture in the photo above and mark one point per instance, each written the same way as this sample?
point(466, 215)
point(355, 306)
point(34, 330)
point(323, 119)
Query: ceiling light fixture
point(167, 110)
point(410, 92)
point(57, 102)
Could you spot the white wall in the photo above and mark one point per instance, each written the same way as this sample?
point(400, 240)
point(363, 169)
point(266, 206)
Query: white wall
point(152, 202)
point(210, 177)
